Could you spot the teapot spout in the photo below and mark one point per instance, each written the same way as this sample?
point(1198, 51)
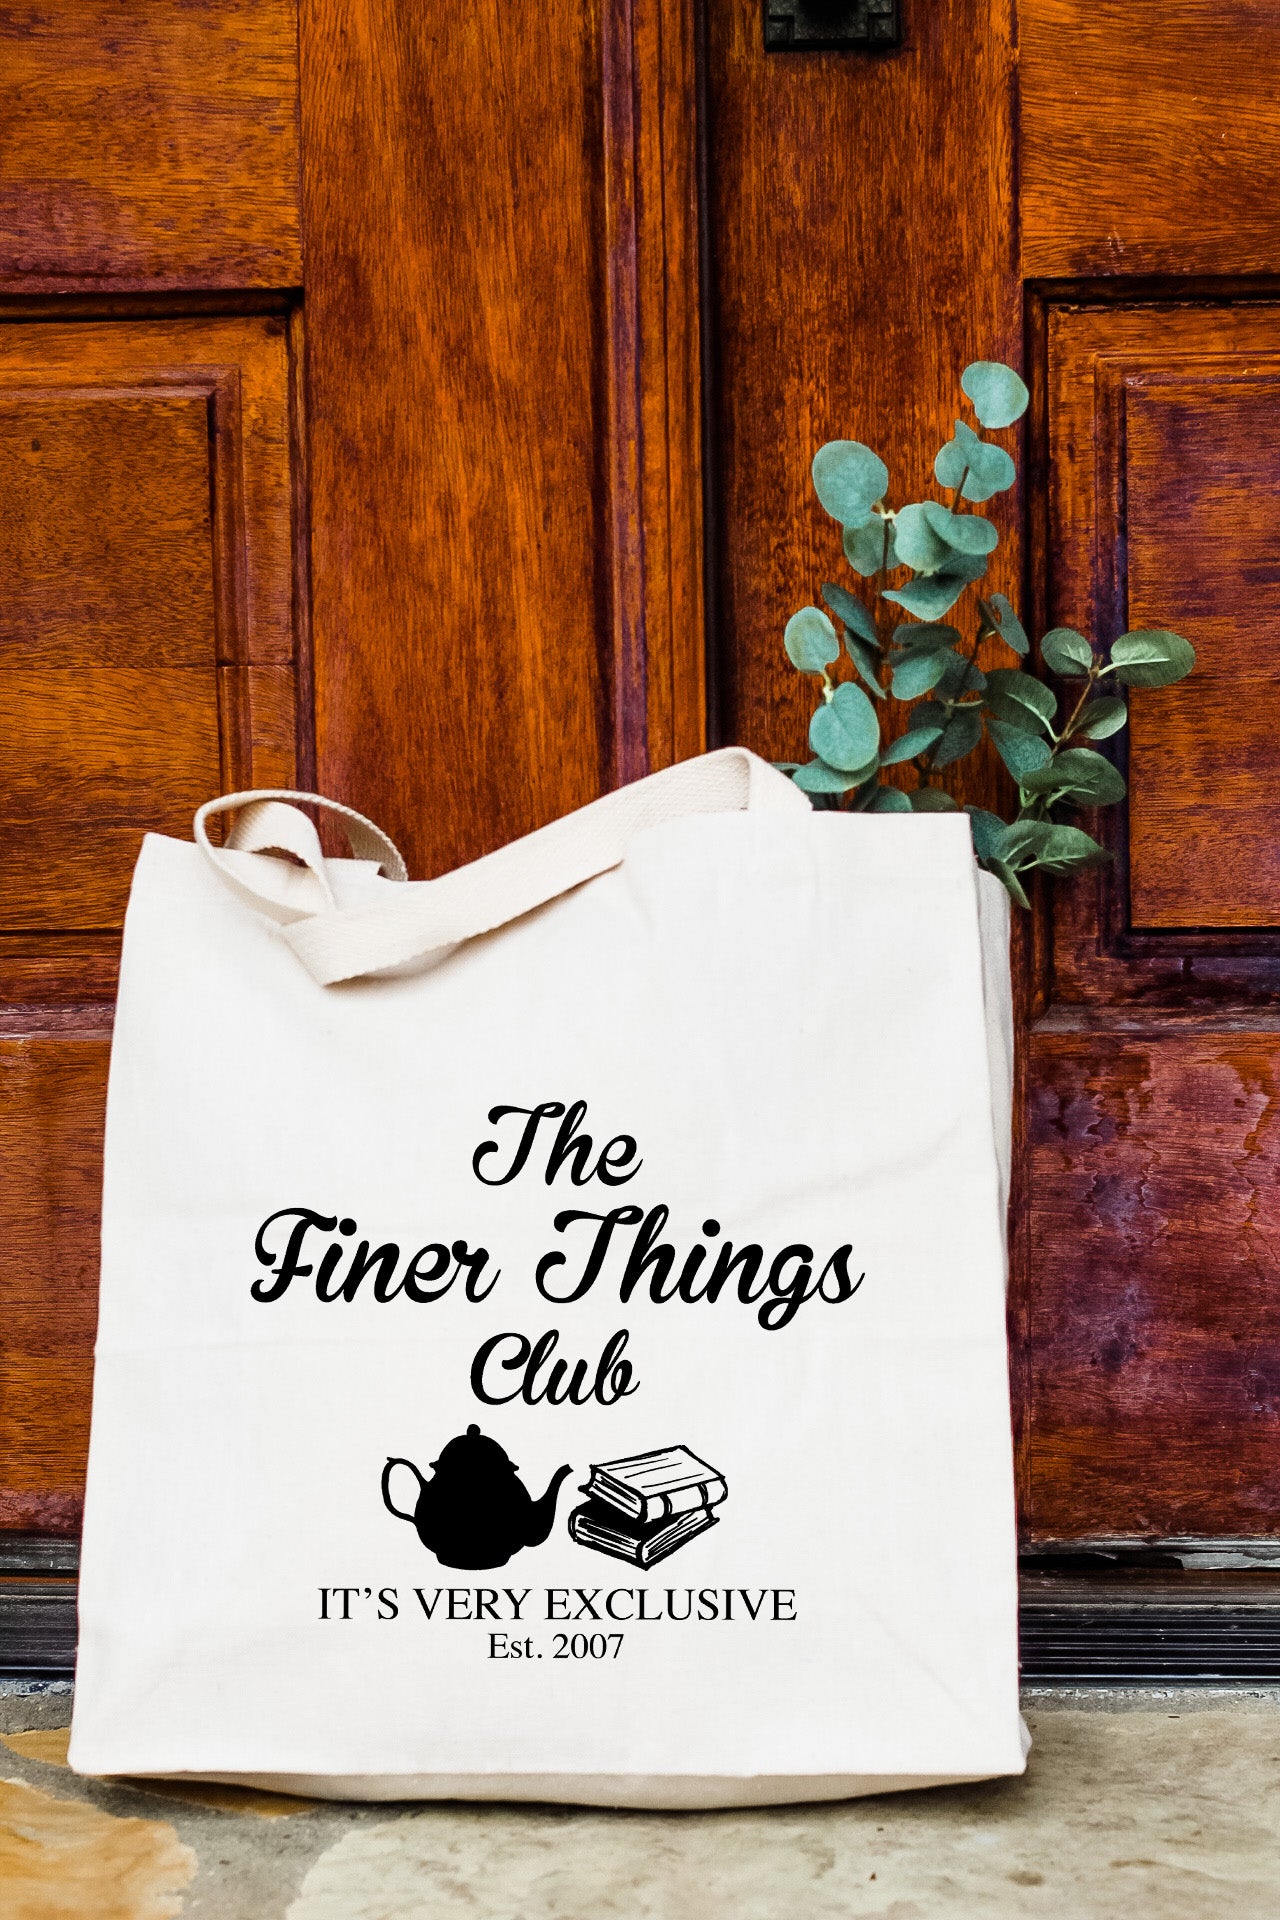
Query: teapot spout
point(542, 1513)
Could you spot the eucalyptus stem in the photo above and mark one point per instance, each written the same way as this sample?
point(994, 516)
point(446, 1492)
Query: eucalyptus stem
point(1095, 674)
point(881, 576)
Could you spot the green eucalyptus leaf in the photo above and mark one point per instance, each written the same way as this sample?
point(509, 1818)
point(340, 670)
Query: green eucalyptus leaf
point(960, 676)
point(1100, 718)
point(810, 640)
point(967, 566)
point(988, 832)
point(860, 636)
point(784, 766)
point(866, 793)
point(847, 607)
point(949, 464)
point(927, 636)
point(849, 479)
point(960, 736)
point(845, 731)
point(818, 777)
point(1069, 847)
point(864, 547)
point(918, 672)
point(1058, 849)
point(1009, 712)
point(998, 394)
point(1152, 657)
point(962, 532)
point(915, 740)
point(1067, 652)
point(867, 660)
point(931, 800)
point(1024, 841)
point(889, 800)
point(1022, 752)
point(1000, 614)
point(1010, 684)
point(918, 544)
point(935, 594)
point(930, 713)
point(985, 469)
point(1008, 879)
point(1080, 775)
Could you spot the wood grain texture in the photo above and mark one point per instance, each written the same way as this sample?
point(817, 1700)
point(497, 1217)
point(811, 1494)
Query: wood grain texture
point(240, 365)
point(504, 480)
point(146, 661)
point(504, 471)
point(1153, 1311)
point(149, 146)
point(843, 308)
point(460, 584)
point(651, 169)
point(1144, 1298)
point(1165, 456)
point(482, 495)
point(1149, 140)
point(1202, 476)
point(105, 525)
point(627, 679)
point(52, 1095)
point(94, 758)
point(146, 651)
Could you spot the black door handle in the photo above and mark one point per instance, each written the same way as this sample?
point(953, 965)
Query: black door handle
point(809, 26)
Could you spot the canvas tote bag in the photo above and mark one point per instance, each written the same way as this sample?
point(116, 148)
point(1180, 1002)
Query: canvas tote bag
point(552, 1332)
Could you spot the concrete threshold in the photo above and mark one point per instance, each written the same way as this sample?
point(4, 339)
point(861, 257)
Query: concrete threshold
point(1159, 1802)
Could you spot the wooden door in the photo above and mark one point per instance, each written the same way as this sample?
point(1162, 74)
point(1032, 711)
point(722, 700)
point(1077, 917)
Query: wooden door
point(349, 434)
point(1088, 191)
point(386, 393)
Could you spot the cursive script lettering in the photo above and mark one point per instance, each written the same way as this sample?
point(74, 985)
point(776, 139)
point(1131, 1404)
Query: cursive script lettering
point(426, 1277)
point(781, 1292)
point(629, 1248)
point(615, 1164)
point(515, 1353)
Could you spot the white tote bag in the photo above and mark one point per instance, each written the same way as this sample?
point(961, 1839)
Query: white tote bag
point(552, 1334)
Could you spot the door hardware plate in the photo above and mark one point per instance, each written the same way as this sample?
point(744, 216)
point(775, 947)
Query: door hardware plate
point(811, 26)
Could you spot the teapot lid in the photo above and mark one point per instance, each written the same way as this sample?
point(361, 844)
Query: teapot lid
point(473, 1452)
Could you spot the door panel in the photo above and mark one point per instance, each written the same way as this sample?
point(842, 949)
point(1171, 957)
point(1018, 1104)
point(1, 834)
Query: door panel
point(502, 304)
point(1164, 447)
point(146, 647)
point(146, 660)
point(1202, 474)
point(149, 146)
point(459, 561)
point(1149, 1310)
point(53, 1085)
point(1145, 1308)
point(1149, 140)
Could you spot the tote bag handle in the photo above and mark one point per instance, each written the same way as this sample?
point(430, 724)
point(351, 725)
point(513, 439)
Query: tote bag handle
point(336, 944)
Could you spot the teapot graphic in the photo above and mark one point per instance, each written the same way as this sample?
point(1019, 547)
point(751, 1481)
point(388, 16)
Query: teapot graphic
point(474, 1512)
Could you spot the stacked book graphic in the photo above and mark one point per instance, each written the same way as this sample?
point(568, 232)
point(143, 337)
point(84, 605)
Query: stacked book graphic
point(643, 1507)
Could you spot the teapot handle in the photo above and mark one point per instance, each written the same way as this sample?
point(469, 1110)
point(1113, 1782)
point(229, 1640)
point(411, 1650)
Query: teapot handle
point(386, 1487)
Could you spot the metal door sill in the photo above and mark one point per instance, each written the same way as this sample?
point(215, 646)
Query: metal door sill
point(1111, 1617)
